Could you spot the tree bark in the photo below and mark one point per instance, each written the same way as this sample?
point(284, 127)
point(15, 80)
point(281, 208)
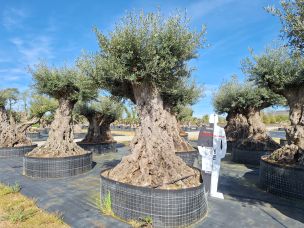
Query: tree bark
point(99, 129)
point(153, 162)
point(293, 153)
point(174, 131)
point(257, 137)
point(60, 142)
point(11, 133)
point(237, 127)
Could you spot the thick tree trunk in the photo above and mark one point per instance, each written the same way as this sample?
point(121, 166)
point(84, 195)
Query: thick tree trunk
point(60, 142)
point(237, 127)
point(99, 129)
point(12, 134)
point(257, 134)
point(153, 162)
point(174, 131)
point(293, 153)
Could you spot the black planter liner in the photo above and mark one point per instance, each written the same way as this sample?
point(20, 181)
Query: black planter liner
point(8, 152)
point(167, 208)
point(99, 148)
point(230, 146)
point(188, 157)
point(250, 157)
point(57, 167)
point(281, 180)
point(33, 135)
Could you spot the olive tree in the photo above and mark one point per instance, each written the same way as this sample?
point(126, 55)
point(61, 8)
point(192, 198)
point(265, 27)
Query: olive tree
point(13, 133)
point(292, 18)
point(100, 114)
point(67, 85)
point(283, 73)
point(142, 58)
point(243, 103)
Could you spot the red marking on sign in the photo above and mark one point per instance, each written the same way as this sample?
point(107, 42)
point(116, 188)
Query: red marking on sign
point(210, 135)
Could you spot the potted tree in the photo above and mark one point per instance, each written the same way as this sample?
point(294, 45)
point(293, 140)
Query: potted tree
point(60, 156)
point(244, 102)
point(100, 114)
point(144, 56)
point(282, 71)
point(13, 132)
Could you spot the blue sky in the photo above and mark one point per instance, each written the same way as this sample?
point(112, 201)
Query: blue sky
point(58, 31)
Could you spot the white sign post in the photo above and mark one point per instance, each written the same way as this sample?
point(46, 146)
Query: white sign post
point(212, 146)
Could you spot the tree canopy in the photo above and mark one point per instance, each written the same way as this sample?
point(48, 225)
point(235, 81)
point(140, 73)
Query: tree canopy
point(145, 48)
point(65, 82)
point(39, 105)
point(106, 106)
point(8, 95)
point(277, 70)
point(292, 19)
point(236, 97)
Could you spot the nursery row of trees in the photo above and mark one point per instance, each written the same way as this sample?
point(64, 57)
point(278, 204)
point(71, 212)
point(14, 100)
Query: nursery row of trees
point(143, 60)
point(274, 78)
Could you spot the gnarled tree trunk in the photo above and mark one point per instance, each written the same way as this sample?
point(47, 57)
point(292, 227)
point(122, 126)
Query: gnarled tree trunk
point(294, 152)
point(180, 144)
point(60, 142)
point(11, 133)
point(237, 127)
point(257, 137)
point(153, 161)
point(99, 129)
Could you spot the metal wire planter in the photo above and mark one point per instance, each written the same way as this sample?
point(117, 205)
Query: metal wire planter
point(247, 156)
point(189, 157)
point(8, 152)
point(282, 180)
point(165, 208)
point(57, 167)
point(99, 148)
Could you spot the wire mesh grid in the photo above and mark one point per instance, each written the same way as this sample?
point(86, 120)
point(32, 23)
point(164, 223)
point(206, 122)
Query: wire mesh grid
point(99, 148)
point(251, 157)
point(285, 182)
point(188, 157)
point(57, 167)
point(166, 208)
point(7, 152)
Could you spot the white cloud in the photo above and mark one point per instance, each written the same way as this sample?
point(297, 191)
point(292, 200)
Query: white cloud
point(13, 17)
point(201, 8)
point(33, 50)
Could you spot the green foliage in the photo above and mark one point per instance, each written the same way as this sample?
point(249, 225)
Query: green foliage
point(9, 189)
point(274, 119)
point(109, 107)
point(144, 48)
point(276, 69)
point(9, 95)
point(40, 105)
point(64, 82)
point(292, 17)
point(184, 113)
point(106, 206)
point(236, 97)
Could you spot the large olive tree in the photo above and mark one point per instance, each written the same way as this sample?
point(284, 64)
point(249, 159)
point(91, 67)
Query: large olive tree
point(100, 114)
point(283, 73)
point(145, 56)
point(67, 86)
point(243, 103)
point(12, 132)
